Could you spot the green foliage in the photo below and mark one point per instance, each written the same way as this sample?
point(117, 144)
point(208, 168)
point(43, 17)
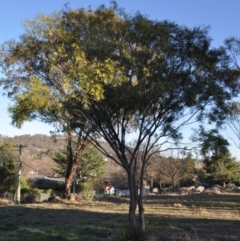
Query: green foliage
point(90, 167)
point(219, 166)
point(25, 185)
point(30, 195)
point(86, 189)
point(223, 169)
point(63, 57)
point(61, 159)
point(189, 166)
point(49, 191)
point(8, 161)
point(212, 143)
point(189, 171)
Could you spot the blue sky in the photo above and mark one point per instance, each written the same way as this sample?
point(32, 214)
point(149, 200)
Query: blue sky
point(221, 15)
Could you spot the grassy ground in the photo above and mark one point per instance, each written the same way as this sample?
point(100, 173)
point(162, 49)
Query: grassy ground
point(177, 218)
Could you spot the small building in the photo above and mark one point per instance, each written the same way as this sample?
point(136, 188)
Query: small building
point(108, 190)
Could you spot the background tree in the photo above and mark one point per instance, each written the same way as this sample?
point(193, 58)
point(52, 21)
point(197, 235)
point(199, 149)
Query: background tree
point(219, 166)
point(189, 170)
point(122, 74)
point(8, 167)
point(155, 172)
point(172, 171)
point(90, 165)
point(226, 170)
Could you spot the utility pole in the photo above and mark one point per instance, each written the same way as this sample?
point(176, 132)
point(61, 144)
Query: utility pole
point(19, 174)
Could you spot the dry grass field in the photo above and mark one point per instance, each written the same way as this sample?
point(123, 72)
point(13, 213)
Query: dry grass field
point(177, 218)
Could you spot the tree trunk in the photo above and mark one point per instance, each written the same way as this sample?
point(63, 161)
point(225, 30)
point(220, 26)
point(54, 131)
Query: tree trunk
point(72, 164)
point(133, 201)
point(140, 204)
point(68, 181)
point(141, 216)
point(173, 183)
point(160, 186)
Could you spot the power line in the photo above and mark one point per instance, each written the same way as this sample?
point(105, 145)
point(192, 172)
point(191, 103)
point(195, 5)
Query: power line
point(33, 168)
point(5, 129)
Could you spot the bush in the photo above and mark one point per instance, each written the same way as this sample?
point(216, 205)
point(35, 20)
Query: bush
point(86, 189)
point(49, 191)
point(30, 196)
point(25, 186)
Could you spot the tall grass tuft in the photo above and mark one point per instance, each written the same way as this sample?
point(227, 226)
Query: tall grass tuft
point(127, 234)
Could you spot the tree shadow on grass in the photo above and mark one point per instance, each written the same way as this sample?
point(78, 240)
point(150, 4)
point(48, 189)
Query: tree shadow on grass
point(69, 223)
point(195, 229)
point(48, 222)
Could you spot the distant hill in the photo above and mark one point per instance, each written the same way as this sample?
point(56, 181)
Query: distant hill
point(38, 153)
point(40, 149)
point(37, 142)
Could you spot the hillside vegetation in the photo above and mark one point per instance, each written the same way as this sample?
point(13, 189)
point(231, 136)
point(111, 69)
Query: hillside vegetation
point(38, 151)
point(37, 156)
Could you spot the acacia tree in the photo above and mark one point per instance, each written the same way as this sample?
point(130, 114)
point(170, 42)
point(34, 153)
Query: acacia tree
point(123, 74)
point(170, 75)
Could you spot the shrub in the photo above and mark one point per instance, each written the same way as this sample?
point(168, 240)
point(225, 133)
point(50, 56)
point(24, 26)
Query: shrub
point(49, 191)
point(30, 195)
point(86, 189)
point(25, 185)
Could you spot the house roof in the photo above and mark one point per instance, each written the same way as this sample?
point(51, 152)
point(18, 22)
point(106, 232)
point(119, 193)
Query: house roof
point(109, 187)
